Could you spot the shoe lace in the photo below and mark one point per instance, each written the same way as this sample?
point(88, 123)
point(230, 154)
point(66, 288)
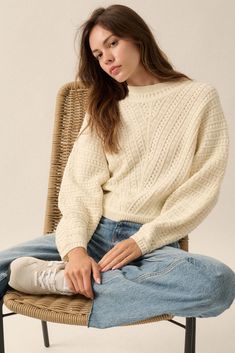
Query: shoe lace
point(46, 278)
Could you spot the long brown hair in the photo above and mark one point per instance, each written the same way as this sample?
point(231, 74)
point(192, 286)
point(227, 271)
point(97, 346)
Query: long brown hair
point(103, 91)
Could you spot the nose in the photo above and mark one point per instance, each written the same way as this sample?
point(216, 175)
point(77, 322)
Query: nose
point(108, 58)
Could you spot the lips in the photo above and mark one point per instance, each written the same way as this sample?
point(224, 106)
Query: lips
point(114, 70)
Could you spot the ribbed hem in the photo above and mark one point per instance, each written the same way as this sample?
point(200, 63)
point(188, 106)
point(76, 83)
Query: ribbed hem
point(121, 216)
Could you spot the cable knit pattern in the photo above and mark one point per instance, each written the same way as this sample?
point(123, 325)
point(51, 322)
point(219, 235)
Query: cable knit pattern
point(175, 146)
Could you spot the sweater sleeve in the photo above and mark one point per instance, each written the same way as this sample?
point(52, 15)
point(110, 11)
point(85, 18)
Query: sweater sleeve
point(192, 201)
point(81, 196)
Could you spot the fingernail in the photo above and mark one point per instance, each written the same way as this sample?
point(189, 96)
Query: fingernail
point(98, 280)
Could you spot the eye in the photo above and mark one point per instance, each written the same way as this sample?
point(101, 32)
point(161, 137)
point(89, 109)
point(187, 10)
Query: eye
point(114, 41)
point(98, 56)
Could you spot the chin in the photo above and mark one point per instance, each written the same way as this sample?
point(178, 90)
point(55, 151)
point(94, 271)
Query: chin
point(120, 80)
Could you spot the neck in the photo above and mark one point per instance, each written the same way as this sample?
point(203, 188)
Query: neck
point(147, 81)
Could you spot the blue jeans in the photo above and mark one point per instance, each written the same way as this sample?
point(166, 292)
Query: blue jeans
point(165, 281)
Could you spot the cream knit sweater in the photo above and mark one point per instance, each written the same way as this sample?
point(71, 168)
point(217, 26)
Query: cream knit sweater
point(175, 144)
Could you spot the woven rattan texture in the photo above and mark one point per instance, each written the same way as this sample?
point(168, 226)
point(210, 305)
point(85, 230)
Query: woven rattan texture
point(69, 113)
point(53, 308)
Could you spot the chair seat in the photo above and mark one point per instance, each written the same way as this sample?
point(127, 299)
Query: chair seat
point(63, 309)
point(73, 310)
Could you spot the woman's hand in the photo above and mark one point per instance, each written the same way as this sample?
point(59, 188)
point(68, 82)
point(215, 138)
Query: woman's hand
point(78, 272)
point(121, 254)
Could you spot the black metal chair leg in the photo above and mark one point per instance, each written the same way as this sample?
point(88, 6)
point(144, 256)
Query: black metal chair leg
point(45, 334)
point(190, 335)
point(2, 349)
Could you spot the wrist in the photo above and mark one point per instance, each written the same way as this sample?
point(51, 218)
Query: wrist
point(77, 251)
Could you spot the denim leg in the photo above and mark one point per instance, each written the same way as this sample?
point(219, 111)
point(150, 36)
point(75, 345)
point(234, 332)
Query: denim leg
point(42, 247)
point(165, 281)
point(101, 241)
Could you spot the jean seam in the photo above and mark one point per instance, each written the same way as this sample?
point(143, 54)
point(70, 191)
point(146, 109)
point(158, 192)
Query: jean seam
point(113, 235)
point(161, 273)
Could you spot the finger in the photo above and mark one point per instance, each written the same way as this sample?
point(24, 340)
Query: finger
point(113, 258)
point(110, 255)
point(96, 272)
point(115, 261)
point(87, 286)
point(77, 282)
point(105, 257)
point(123, 262)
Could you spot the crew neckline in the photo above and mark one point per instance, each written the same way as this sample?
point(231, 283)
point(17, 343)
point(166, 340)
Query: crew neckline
point(153, 88)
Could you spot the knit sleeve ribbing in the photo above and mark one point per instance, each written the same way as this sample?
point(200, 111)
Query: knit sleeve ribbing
point(191, 202)
point(81, 196)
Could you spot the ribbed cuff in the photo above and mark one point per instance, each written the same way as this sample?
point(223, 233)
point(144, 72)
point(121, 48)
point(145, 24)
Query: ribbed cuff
point(141, 243)
point(64, 252)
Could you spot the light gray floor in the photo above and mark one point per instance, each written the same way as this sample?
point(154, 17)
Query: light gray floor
point(23, 335)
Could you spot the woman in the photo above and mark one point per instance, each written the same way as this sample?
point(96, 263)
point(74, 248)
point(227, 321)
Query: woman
point(145, 170)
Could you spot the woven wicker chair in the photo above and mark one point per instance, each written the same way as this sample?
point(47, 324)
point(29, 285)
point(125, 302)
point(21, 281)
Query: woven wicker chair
point(75, 310)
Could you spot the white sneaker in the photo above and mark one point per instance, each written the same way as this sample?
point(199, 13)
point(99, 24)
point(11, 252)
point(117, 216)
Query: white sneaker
point(35, 276)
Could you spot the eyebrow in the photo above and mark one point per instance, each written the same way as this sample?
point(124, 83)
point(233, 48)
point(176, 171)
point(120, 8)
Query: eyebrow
point(103, 42)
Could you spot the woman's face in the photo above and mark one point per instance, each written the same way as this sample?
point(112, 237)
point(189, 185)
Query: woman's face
point(110, 50)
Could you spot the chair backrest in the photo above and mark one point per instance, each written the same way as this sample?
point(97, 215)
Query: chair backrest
point(70, 110)
point(69, 113)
